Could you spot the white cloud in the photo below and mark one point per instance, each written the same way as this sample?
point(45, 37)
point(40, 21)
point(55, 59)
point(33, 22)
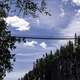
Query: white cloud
point(77, 2)
point(43, 45)
point(78, 13)
point(17, 22)
point(30, 44)
point(70, 30)
point(73, 27)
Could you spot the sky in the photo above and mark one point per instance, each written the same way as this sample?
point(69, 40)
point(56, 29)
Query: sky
point(63, 22)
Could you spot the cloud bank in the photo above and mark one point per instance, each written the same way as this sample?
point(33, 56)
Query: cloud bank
point(77, 2)
point(19, 23)
point(30, 44)
point(43, 45)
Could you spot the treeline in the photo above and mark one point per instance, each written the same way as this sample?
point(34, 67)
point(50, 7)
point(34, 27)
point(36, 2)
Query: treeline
point(64, 64)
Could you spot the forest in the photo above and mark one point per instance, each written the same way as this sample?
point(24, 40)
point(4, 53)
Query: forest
point(64, 64)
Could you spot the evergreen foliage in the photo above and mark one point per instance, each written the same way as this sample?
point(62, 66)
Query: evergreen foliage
point(6, 45)
point(64, 64)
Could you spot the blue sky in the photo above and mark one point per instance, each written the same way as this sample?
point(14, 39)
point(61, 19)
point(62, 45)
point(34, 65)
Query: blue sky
point(64, 22)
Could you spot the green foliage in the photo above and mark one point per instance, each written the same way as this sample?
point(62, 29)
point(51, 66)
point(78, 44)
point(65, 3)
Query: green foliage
point(27, 7)
point(30, 7)
point(63, 65)
point(7, 43)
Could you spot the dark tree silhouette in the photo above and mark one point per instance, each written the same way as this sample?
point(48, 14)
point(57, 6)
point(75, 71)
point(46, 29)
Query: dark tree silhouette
point(63, 65)
point(6, 45)
point(26, 6)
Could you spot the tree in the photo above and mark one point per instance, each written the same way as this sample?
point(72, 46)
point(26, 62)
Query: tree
point(27, 7)
point(64, 64)
point(7, 42)
point(30, 7)
point(6, 45)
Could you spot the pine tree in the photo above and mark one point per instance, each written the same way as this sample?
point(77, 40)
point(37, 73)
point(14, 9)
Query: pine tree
point(64, 64)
